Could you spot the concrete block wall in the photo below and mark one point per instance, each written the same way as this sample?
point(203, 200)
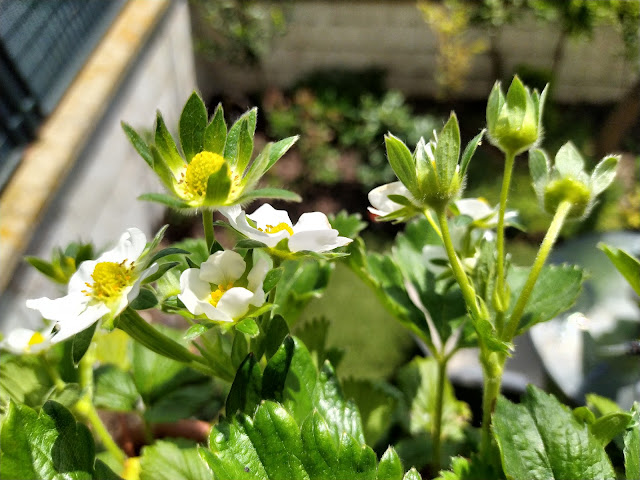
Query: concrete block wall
point(98, 202)
point(391, 34)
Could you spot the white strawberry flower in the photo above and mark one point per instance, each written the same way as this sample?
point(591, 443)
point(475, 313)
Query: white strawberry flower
point(381, 204)
point(23, 340)
point(100, 288)
point(217, 289)
point(312, 232)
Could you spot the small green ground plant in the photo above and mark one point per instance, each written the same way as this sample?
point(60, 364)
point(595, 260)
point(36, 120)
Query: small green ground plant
point(231, 393)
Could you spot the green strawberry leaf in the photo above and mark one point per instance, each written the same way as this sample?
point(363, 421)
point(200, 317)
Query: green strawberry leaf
point(167, 461)
point(49, 444)
point(540, 438)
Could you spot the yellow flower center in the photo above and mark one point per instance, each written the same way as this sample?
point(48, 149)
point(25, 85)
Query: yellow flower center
point(278, 228)
point(36, 339)
point(216, 295)
point(109, 279)
point(201, 167)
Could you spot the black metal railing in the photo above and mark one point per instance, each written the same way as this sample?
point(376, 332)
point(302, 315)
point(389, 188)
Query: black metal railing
point(43, 45)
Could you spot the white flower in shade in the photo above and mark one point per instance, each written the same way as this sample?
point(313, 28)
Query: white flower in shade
point(313, 232)
point(217, 291)
point(482, 214)
point(381, 204)
point(24, 340)
point(100, 288)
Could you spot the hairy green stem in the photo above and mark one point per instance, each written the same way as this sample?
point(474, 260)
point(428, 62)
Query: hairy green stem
point(544, 251)
point(85, 408)
point(434, 225)
point(207, 224)
point(468, 292)
point(437, 421)
point(504, 194)
point(492, 378)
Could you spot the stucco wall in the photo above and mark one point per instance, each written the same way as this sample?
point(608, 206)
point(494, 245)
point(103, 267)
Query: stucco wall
point(391, 34)
point(97, 200)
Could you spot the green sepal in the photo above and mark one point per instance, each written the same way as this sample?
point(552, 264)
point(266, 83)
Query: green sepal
point(166, 200)
point(249, 243)
point(145, 300)
point(218, 187)
point(272, 278)
point(162, 169)
point(539, 167)
point(494, 106)
point(168, 251)
point(81, 342)
point(401, 200)
point(248, 326)
point(273, 193)
point(162, 269)
point(604, 174)
point(609, 426)
point(231, 147)
point(138, 143)
point(448, 151)
point(516, 103)
point(194, 331)
point(245, 149)
point(402, 163)
point(157, 238)
point(627, 265)
point(166, 145)
point(192, 124)
point(469, 150)
point(277, 150)
point(48, 269)
point(215, 135)
point(569, 162)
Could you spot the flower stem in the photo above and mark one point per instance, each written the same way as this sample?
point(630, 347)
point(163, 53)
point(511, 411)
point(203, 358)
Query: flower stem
point(468, 292)
point(207, 224)
point(437, 421)
point(132, 323)
point(432, 222)
point(85, 408)
point(545, 249)
point(504, 193)
point(492, 369)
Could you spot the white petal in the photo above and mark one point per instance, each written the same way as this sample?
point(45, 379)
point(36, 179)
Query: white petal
point(255, 281)
point(474, 208)
point(379, 198)
point(312, 221)
point(213, 313)
point(232, 213)
point(267, 215)
point(235, 302)
point(193, 290)
point(317, 241)
point(18, 340)
point(60, 309)
point(223, 268)
point(70, 327)
point(79, 280)
point(130, 246)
